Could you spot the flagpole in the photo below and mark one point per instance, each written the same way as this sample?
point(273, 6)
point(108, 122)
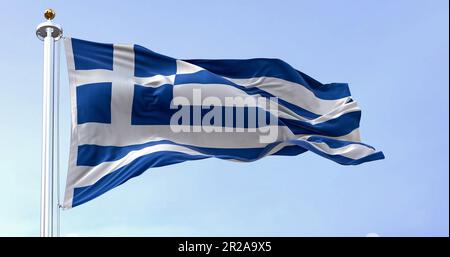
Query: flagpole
point(49, 33)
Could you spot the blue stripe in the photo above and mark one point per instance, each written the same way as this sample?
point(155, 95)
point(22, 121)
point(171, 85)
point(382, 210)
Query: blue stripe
point(92, 155)
point(133, 169)
point(337, 127)
point(206, 77)
point(264, 67)
point(339, 158)
point(290, 150)
point(329, 91)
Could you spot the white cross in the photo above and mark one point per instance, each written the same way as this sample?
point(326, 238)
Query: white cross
point(120, 131)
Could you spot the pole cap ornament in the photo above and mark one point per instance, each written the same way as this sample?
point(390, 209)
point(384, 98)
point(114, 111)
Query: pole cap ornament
point(49, 14)
point(48, 26)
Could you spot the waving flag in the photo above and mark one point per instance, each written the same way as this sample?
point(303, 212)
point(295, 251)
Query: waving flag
point(133, 109)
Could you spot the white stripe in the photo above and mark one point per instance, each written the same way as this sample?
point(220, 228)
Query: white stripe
point(102, 134)
point(352, 151)
point(337, 112)
point(293, 93)
point(222, 92)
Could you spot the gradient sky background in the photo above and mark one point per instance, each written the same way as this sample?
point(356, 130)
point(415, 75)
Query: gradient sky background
point(394, 54)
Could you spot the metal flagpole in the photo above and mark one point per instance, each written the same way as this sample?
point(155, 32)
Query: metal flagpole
point(49, 33)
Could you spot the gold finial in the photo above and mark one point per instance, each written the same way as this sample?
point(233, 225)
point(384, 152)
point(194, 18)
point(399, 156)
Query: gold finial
point(49, 14)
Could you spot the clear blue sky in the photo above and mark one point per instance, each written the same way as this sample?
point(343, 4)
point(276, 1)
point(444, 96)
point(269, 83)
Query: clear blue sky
point(394, 54)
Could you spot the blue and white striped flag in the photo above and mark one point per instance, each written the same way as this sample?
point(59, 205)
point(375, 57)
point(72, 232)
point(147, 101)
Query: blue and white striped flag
point(133, 109)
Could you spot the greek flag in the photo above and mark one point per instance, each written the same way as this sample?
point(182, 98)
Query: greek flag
point(134, 109)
